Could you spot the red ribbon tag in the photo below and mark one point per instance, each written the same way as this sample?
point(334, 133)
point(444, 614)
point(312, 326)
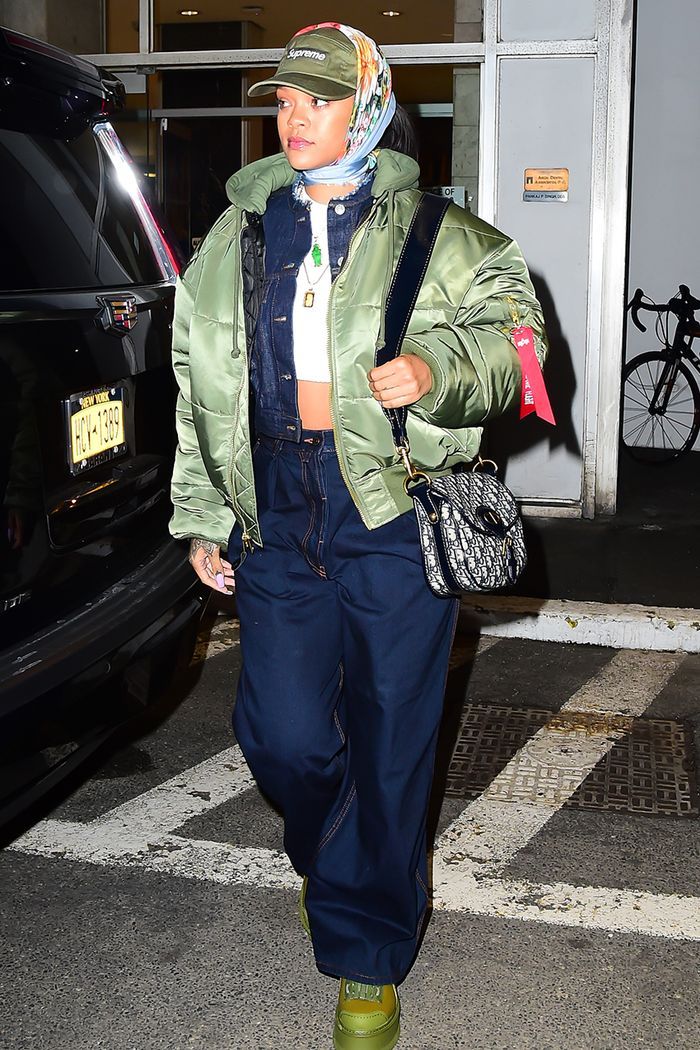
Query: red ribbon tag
point(533, 397)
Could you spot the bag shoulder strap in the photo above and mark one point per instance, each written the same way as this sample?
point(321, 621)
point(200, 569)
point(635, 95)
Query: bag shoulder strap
point(403, 293)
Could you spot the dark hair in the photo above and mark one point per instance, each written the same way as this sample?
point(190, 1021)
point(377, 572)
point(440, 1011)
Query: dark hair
point(401, 135)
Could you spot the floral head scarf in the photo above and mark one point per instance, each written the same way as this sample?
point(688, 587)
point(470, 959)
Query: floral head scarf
point(372, 111)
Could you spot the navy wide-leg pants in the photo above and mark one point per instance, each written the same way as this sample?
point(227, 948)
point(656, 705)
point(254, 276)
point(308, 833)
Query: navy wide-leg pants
point(345, 655)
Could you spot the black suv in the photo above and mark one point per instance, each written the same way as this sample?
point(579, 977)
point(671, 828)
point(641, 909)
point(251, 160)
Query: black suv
point(94, 595)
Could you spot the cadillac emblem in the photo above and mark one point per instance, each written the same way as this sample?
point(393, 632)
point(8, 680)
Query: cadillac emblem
point(118, 313)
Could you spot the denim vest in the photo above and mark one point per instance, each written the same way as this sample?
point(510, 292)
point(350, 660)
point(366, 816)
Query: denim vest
point(287, 235)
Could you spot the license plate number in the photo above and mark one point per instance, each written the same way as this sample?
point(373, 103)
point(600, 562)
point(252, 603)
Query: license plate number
point(96, 432)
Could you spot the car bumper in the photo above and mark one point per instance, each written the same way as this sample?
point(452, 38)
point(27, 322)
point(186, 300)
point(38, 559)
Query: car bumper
point(134, 617)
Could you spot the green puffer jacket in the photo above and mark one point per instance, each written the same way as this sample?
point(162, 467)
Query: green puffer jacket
point(476, 286)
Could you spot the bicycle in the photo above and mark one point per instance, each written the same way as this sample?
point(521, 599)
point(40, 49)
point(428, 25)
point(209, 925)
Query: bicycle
point(660, 416)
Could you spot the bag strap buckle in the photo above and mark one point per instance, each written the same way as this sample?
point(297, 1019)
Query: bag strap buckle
point(489, 466)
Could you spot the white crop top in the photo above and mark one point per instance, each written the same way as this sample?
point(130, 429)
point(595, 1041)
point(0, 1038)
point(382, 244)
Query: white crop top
point(310, 312)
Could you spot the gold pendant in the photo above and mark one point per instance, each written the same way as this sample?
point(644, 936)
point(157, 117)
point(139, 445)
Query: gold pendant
point(308, 298)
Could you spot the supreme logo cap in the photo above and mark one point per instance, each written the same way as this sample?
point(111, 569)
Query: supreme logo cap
point(322, 62)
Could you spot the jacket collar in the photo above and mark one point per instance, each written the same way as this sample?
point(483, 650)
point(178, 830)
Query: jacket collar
point(250, 188)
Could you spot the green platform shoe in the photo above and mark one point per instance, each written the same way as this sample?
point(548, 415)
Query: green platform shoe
point(303, 914)
point(366, 1017)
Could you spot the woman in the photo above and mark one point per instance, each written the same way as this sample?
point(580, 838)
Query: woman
point(286, 459)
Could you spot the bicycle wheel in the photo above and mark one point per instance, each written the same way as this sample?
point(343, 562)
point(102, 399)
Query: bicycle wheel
point(658, 435)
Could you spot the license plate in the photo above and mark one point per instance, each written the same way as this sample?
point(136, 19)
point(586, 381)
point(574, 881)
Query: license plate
point(96, 431)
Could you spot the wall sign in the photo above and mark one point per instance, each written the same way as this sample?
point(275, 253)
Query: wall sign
point(546, 184)
point(455, 193)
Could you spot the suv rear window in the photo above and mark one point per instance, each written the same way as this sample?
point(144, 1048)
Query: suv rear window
point(72, 215)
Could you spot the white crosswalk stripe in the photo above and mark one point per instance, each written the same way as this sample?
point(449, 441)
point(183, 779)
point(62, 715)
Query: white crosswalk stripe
point(472, 852)
point(469, 856)
point(490, 831)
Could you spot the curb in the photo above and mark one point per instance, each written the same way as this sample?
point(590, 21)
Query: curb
point(584, 623)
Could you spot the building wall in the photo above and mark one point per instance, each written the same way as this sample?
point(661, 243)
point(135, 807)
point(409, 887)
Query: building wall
point(554, 130)
point(75, 25)
point(665, 224)
point(26, 16)
point(546, 118)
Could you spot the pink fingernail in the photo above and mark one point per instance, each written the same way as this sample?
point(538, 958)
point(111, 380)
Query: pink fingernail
point(220, 579)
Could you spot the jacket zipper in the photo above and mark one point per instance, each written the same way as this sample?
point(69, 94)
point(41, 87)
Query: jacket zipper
point(248, 544)
point(359, 232)
point(514, 311)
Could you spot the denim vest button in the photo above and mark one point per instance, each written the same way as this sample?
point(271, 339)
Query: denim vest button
point(286, 375)
point(339, 209)
point(291, 427)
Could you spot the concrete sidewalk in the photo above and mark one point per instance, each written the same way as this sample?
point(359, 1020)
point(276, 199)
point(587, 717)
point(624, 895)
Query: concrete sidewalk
point(628, 581)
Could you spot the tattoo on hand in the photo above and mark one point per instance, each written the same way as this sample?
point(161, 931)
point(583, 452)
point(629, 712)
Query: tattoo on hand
point(207, 545)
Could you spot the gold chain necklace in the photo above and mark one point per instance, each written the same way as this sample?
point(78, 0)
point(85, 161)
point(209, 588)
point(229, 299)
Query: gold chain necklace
point(310, 294)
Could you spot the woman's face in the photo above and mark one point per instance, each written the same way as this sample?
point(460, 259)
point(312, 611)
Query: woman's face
point(313, 132)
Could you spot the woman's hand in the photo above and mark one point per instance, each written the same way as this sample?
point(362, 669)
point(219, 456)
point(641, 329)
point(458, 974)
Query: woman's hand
point(401, 382)
point(205, 558)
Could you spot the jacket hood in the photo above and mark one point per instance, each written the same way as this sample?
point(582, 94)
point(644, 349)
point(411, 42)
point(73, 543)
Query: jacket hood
point(250, 188)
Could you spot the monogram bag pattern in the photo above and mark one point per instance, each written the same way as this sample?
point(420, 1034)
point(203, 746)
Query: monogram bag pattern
point(471, 533)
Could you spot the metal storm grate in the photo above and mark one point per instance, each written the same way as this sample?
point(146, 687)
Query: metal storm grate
point(651, 769)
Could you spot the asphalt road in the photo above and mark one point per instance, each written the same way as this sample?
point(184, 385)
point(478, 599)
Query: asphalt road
point(153, 909)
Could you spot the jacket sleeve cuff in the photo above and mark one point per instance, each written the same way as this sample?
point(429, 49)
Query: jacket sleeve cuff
point(429, 402)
